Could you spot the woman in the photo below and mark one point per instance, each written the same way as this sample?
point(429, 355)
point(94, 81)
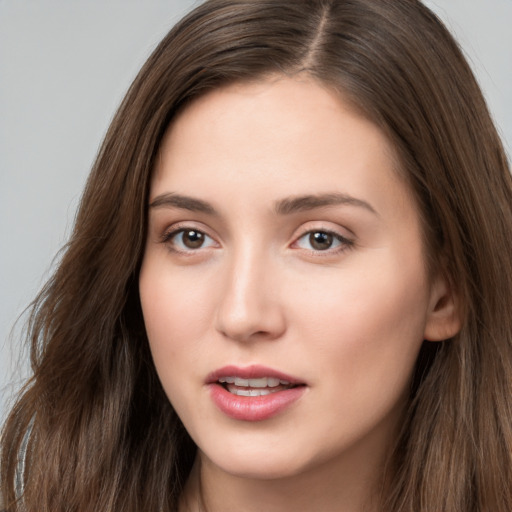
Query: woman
point(289, 282)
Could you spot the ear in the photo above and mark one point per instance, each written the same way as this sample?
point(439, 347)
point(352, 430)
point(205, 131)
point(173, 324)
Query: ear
point(444, 316)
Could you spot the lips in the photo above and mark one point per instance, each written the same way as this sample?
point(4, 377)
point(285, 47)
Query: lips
point(254, 387)
point(253, 393)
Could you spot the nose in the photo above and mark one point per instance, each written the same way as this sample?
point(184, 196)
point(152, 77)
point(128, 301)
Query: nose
point(249, 306)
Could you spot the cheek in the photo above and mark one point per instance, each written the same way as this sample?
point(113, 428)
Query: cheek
point(174, 316)
point(367, 323)
point(174, 302)
point(175, 313)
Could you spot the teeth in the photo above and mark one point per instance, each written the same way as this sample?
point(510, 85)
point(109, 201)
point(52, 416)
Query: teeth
point(250, 392)
point(264, 382)
point(272, 382)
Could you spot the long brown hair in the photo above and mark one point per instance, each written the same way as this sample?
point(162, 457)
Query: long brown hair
point(93, 429)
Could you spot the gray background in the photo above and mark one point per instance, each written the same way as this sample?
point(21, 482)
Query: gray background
point(64, 67)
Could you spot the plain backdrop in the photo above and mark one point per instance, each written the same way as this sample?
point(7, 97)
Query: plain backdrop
point(64, 67)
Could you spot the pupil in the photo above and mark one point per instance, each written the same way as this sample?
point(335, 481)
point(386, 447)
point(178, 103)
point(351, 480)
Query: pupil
point(320, 241)
point(193, 239)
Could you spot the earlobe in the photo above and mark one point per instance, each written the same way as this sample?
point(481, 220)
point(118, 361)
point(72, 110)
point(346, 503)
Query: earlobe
point(444, 317)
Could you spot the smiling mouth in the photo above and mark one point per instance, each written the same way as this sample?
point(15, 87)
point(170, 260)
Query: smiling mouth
point(254, 387)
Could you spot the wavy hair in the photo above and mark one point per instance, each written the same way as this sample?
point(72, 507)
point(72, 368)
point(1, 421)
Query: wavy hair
point(93, 430)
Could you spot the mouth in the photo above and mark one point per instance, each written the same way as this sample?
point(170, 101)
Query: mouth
point(253, 393)
point(254, 387)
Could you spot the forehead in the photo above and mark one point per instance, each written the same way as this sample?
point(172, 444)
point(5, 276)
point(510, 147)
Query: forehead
point(285, 135)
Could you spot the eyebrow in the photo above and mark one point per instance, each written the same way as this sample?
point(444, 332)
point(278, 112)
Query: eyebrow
point(310, 202)
point(171, 200)
point(285, 206)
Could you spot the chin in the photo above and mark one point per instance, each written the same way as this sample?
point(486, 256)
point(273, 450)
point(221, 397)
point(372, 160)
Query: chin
point(263, 468)
point(251, 459)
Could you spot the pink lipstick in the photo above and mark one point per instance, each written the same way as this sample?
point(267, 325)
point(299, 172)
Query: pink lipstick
point(253, 393)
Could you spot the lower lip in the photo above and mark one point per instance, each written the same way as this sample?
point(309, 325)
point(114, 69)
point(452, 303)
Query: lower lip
point(254, 408)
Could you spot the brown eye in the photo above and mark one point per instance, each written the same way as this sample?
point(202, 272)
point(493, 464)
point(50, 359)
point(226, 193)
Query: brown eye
point(192, 239)
point(320, 240)
point(184, 240)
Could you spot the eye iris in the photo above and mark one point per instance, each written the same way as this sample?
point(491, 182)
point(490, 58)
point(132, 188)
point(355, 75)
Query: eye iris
point(193, 239)
point(320, 240)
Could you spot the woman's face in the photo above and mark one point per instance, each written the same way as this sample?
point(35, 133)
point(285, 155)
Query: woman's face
point(283, 285)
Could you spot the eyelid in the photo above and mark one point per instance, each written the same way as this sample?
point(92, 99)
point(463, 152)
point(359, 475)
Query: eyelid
point(170, 232)
point(171, 229)
point(346, 242)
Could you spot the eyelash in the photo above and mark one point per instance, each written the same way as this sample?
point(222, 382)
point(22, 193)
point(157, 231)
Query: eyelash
point(344, 243)
point(168, 236)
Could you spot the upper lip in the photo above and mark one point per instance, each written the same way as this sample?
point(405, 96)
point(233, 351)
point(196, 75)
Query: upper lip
point(251, 372)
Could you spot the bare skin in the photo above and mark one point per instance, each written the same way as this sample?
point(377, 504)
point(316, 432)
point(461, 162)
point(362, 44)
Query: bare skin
point(282, 237)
